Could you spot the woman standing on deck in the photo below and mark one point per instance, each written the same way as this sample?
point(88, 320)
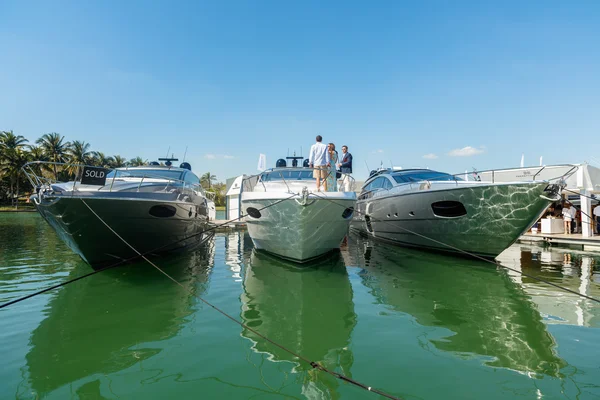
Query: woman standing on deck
point(331, 176)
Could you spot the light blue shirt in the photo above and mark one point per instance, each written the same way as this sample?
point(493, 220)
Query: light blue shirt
point(318, 156)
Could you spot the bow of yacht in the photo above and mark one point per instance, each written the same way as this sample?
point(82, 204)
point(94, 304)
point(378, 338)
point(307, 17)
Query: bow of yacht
point(286, 215)
point(153, 208)
point(438, 211)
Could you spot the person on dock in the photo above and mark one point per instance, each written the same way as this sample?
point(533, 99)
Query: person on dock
point(567, 218)
point(318, 159)
point(345, 166)
point(597, 215)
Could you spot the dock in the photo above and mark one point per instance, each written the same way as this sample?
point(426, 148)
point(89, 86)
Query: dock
point(220, 225)
point(574, 240)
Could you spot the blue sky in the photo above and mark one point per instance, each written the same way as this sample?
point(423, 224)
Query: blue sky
point(464, 83)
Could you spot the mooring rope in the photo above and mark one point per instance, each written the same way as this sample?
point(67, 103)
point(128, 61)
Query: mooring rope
point(468, 253)
point(127, 260)
point(313, 364)
point(592, 219)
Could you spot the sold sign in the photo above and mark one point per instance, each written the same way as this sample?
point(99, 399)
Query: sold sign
point(94, 176)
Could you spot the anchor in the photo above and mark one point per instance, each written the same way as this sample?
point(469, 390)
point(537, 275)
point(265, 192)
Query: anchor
point(304, 199)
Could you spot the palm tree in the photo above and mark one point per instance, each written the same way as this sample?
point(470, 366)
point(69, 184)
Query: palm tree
point(207, 179)
point(10, 167)
point(219, 190)
point(8, 140)
point(36, 153)
point(55, 149)
point(137, 162)
point(12, 158)
point(102, 160)
point(118, 161)
point(79, 153)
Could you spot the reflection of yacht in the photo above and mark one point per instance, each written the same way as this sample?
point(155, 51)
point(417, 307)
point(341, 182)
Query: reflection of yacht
point(486, 312)
point(299, 227)
point(308, 311)
point(154, 208)
point(564, 267)
point(411, 207)
point(107, 324)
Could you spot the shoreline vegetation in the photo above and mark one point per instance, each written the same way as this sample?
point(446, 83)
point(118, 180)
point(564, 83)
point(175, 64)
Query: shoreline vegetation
point(16, 150)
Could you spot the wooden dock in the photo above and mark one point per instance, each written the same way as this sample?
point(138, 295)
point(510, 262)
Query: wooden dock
point(573, 240)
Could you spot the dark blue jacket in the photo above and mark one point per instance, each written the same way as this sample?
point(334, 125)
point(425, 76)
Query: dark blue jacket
point(346, 162)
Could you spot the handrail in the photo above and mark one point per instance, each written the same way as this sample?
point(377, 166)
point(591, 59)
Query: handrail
point(140, 185)
point(282, 178)
point(492, 171)
point(247, 186)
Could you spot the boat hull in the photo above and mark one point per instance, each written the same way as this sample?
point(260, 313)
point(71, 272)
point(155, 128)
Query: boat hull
point(496, 216)
point(298, 230)
point(130, 218)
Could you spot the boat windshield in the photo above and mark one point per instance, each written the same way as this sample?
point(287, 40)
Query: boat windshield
point(416, 176)
point(152, 173)
point(287, 175)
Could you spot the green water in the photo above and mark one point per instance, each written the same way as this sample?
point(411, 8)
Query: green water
point(416, 325)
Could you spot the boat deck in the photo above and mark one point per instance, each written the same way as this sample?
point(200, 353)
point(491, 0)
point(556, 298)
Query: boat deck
point(575, 239)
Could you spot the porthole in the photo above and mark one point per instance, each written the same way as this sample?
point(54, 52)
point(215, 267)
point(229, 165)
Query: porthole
point(448, 209)
point(162, 211)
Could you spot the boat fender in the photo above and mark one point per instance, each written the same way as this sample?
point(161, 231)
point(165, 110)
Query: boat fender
point(425, 185)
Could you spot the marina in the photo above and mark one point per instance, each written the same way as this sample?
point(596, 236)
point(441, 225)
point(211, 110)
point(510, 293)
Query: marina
point(433, 315)
point(299, 200)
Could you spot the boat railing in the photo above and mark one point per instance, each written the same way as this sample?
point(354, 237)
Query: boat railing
point(522, 174)
point(250, 182)
point(38, 173)
point(551, 174)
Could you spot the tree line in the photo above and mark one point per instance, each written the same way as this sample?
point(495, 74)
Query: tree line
point(16, 150)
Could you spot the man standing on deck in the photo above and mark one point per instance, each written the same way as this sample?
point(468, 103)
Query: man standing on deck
point(318, 159)
point(345, 167)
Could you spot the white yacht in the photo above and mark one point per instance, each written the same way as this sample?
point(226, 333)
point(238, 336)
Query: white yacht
point(288, 217)
point(154, 208)
point(437, 211)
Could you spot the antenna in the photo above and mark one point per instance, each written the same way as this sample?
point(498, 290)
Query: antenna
point(391, 165)
point(367, 166)
point(167, 156)
point(184, 154)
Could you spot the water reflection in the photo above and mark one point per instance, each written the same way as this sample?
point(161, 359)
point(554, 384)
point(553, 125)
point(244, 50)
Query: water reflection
point(308, 310)
point(30, 255)
point(487, 314)
point(565, 267)
point(106, 323)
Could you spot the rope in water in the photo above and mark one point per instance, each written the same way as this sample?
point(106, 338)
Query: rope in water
point(469, 253)
point(124, 261)
point(311, 363)
point(306, 360)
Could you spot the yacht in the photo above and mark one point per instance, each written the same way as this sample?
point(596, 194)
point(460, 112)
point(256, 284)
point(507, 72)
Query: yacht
point(287, 216)
point(155, 208)
point(442, 212)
